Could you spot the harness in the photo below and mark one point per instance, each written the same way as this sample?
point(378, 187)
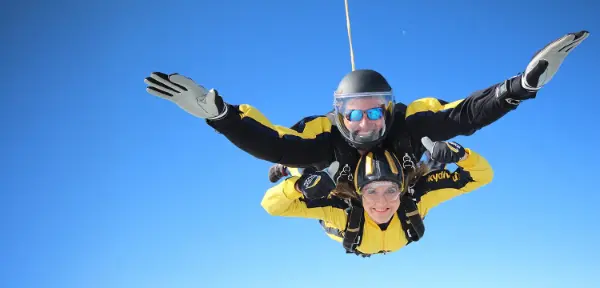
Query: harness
point(408, 213)
point(409, 217)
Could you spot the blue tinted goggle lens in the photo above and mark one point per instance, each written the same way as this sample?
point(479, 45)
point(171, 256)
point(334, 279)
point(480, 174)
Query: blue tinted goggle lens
point(372, 114)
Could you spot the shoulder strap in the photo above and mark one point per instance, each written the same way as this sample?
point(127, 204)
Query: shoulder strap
point(346, 156)
point(400, 140)
point(354, 227)
point(411, 220)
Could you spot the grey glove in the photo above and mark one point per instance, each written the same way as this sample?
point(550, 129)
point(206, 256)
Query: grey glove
point(545, 63)
point(191, 97)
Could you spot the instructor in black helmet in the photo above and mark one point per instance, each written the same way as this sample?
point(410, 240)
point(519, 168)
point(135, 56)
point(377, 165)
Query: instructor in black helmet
point(364, 115)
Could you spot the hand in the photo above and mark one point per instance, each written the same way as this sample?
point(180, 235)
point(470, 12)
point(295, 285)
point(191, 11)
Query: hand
point(188, 95)
point(277, 172)
point(315, 185)
point(545, 63)
point(432, 164)
point(444, 152)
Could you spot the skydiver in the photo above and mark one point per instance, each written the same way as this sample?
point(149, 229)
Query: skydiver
point(385, 211)
point(364, 112)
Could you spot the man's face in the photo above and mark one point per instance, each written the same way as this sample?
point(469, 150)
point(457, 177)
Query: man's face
point(364, 117)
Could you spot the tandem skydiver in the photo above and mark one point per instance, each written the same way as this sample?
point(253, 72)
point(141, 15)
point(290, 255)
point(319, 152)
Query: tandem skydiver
point(364, 112)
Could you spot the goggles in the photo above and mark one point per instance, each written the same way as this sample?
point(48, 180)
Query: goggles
point(390, 194)
point(356, 115)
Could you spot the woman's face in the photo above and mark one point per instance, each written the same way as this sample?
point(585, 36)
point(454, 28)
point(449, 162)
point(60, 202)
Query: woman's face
point(381, 199)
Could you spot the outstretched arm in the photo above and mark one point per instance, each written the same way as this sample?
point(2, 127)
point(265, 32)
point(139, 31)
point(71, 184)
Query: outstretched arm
point(251, 131)
point(245, 126)
point(442, 121)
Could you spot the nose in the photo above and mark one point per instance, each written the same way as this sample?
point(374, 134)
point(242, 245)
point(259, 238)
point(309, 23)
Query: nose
point(379, 200)
point(364, 122)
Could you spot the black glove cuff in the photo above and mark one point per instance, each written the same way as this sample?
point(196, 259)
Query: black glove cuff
point(516, 90)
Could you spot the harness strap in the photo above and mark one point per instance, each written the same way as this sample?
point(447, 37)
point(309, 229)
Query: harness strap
point(354, 227)
point(411, 220)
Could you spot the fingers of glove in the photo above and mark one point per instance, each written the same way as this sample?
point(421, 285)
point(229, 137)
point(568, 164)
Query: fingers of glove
point(159, 93)
point(276, 172)
point(566, 43)
point(185, 82)
point(428, 144)
point(570, 41)
point(159, 81)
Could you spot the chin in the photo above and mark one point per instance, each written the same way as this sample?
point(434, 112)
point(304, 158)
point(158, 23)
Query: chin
point(382, 220)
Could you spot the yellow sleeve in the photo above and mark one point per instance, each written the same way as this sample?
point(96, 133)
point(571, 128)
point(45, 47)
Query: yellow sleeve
point(306, 143)
point(312, 126)
point(284, 200)
point(440, 186)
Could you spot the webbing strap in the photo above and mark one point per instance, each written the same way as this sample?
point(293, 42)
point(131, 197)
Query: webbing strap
point(354, 227)
point(411, 220)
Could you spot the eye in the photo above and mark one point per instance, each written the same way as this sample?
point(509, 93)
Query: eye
point(392, 190)
point(370, 192)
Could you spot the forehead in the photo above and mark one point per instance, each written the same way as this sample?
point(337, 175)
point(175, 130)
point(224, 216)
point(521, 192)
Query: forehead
point(380, 185)
point(364, 103)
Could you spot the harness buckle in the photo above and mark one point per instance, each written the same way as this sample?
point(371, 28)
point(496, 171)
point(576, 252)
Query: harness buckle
point(407, 162)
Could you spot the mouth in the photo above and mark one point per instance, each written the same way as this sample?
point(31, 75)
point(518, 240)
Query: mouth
point(380, 210)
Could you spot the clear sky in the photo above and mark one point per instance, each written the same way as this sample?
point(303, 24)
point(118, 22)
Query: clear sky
point(104, 185)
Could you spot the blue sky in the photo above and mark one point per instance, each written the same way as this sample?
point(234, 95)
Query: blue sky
point(104, 185)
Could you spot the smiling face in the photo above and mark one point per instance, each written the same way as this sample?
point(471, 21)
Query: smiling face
point(381, 199)
point(364, 117)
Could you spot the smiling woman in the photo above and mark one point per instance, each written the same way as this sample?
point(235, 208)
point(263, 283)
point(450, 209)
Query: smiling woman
point(380, 195)
point(383, 208)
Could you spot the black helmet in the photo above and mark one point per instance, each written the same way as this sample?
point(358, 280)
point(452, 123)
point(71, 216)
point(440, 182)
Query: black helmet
point(364, 93)
point(378, 165)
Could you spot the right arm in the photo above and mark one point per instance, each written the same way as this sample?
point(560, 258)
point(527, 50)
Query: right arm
point(248, 129)
point(284, 200)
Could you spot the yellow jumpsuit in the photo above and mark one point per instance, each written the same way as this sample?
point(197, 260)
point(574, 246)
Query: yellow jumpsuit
point(431, 190)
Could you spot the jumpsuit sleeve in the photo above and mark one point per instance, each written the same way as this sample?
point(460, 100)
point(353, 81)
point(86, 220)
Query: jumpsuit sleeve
point(284, 200)
point(248, 129)
point(442, 185)
point(442, 121)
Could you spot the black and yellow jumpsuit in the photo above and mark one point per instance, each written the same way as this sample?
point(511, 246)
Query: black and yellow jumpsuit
point(431, 190)
point(313, 140)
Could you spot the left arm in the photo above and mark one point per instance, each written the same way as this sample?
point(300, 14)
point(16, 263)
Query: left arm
point(443, 121)
point(442, 185)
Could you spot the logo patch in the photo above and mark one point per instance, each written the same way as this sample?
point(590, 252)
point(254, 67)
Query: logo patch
point(311, 181)
point(453, 146)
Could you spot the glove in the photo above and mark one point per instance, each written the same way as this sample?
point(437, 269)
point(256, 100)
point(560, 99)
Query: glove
point(444, 152)
point(191, 97)
point(540, 70)
point(432, 164)
point(317, 184)
point(277, 172)
point(545, 62)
